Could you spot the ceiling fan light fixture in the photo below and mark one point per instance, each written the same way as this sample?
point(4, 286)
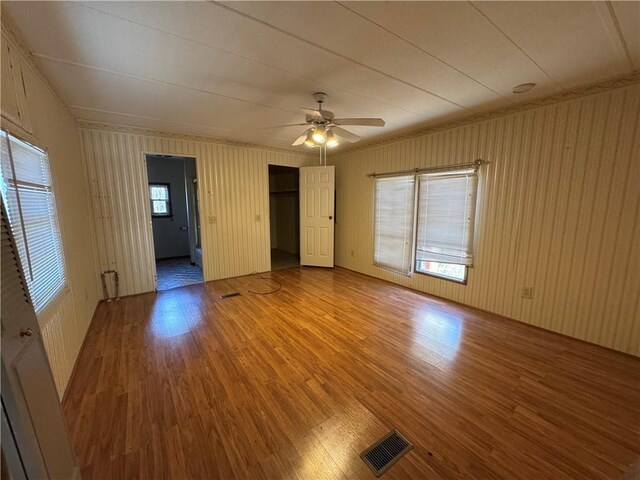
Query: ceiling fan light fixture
point(332, 141)
point(319, 135)
point(309, 140)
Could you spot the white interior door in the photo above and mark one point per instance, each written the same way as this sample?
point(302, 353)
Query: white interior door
point(317, 209)
point(29, 398)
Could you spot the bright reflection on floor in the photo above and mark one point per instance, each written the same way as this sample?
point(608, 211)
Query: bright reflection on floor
point(437, 335)
point(170, 318)
point(315, 462)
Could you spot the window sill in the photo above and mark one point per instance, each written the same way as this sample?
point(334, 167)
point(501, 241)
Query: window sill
point(442, 277)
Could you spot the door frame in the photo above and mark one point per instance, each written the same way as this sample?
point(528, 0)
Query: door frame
point(268, 242)
point(149, 218)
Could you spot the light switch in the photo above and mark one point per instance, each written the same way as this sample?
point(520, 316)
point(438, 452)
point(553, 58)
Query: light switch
point(212, 219)
point(257, 218)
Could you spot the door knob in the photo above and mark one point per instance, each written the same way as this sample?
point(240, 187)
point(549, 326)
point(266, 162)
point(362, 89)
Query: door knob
point(330, 217)
point(26, 333)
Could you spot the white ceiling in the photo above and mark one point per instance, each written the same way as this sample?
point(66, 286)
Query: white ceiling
point(224, 69)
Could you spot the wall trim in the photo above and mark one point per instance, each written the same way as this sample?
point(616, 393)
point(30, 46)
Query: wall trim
point(152, 132)
point(567, 95)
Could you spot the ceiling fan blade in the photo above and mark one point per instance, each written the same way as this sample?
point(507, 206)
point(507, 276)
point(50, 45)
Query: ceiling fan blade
point(366, 122)
point(345, 134)
point(314, 114)
point(319, 115)
point(300, 140)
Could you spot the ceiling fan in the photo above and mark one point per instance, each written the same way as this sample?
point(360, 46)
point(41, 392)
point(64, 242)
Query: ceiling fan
point(325, 129)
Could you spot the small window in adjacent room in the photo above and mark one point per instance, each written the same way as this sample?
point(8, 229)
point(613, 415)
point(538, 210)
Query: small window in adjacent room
point(160, 197)
point(446, 218)
point(27, 193)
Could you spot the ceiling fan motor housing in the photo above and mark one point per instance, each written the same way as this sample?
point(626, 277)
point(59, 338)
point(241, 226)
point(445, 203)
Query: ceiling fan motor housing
point(320, 97)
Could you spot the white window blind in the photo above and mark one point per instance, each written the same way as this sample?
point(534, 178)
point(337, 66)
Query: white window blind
point(28, 197)
point(446, 217)
point(394, 222)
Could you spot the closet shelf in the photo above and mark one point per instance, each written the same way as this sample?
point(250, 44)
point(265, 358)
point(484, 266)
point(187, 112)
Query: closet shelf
point(281, 193)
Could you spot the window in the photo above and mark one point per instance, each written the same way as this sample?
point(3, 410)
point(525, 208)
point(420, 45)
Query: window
point(25, 183)
point(445, 270)
point(444, 218)
point(160, 197)
point(394, 218)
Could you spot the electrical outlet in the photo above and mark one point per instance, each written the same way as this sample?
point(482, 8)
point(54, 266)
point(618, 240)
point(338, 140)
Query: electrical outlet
point(212, 219)
point(527, 292)
point(353, 253)
point(257, 218)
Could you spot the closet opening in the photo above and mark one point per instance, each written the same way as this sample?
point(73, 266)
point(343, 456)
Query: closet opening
point(175, 220)
point(284, 217)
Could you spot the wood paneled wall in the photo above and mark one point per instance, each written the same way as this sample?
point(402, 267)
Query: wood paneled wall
point(558, 211)
point(233, 184)
point(63, 323)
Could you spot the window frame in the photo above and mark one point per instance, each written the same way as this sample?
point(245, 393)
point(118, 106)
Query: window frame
point(44, 310)
point(415, 254)
point(169, 213)
point(414, 263)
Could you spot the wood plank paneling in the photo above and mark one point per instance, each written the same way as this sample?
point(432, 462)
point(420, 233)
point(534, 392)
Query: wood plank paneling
point(62, 335)
point(234, 188)
point(48, 124)
point(558, 211)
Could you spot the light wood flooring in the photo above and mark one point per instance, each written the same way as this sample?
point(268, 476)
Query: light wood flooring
point(181, 384)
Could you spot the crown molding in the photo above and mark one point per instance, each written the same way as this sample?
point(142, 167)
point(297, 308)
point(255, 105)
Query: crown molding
point(567, 95)
point(127, 129)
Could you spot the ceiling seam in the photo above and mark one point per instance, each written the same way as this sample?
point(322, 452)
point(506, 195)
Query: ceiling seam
point(622, 81)
point(153, 80)
point(155, 132)
point(146, 117)
point(248, 59)
point(337, 54)
point(516, 45)
point(426, 52)
point(623, 41)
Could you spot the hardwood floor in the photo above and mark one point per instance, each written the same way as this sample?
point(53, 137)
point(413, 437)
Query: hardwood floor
point(296, 384)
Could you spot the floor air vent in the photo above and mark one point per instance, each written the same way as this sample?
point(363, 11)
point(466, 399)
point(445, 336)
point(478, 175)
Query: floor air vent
point(381, 456)
point(229, 295)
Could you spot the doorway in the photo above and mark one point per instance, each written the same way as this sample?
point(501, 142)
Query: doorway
point(173, 197)
point(284, 215)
